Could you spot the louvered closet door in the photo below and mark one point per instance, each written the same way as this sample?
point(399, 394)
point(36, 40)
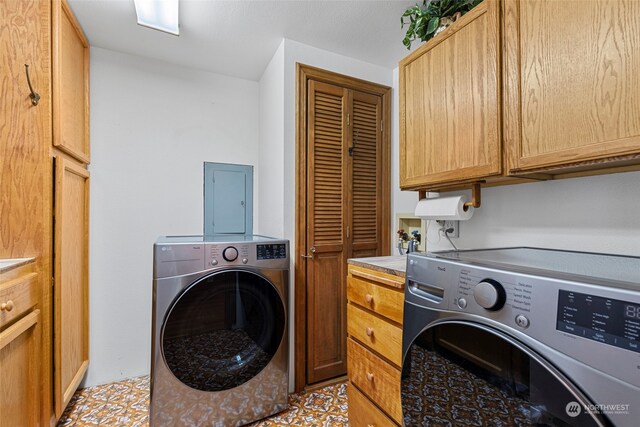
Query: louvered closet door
point(366, 171)
point(326, 224)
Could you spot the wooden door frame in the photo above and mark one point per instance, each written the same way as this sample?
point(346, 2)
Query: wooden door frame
point(304, 73)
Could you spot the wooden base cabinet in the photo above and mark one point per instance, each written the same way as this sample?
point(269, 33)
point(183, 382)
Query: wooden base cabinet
point(20, 348)
point(20, 362)
point(374, 325)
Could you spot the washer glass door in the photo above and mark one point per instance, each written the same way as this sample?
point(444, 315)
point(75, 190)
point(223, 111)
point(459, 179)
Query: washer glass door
point(223, 330)
point(458, 373)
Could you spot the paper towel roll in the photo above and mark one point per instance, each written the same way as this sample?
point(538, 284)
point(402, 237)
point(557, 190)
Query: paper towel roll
point(446, 208)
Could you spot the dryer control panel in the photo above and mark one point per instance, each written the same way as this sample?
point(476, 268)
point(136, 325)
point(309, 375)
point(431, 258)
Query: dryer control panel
point(271, 251)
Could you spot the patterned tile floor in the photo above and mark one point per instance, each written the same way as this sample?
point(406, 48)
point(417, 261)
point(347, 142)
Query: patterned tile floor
point(126, 403)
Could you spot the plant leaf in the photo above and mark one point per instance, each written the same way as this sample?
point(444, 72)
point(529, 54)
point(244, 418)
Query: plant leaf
point(432, 26)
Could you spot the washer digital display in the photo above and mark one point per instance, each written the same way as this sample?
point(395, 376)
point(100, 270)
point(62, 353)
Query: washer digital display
point(606, 320)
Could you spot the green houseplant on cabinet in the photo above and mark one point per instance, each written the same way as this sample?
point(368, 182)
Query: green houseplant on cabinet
point(426, 21)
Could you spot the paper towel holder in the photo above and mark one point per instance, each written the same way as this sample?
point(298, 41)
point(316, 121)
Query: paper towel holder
point(476, 197)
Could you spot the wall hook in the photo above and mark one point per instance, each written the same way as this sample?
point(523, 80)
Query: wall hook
point(35, 98)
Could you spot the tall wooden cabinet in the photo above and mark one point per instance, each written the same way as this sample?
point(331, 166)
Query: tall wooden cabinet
point(38, 129)
point(25, 211)
point(71, 204)
point(535, 89)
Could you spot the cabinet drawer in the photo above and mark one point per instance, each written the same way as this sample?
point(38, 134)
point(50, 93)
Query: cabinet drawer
point(17, 296)
point(377, 379)
point(376, 333)
point(363, 413)
point(380, 299)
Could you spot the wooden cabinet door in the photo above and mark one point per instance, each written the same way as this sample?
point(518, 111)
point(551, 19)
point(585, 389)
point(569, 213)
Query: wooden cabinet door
point(20, 364)
point(70, 84)
point(367, 178)
point(25, 129)
point(346, 188)
point(572, 87)
point(71, 279)
point(326, 233)
point(449, 104)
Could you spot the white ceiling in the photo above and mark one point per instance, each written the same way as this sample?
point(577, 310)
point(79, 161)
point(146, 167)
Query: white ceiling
point(239, 37)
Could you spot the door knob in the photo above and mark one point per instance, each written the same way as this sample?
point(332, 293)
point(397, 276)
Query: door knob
point(313, 249)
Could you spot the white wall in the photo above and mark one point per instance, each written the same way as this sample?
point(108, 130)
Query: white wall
point(152, 126)
point(271, 150)
point(597, 214)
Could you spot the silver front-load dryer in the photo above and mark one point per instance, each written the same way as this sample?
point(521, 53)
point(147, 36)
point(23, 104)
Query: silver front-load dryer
point(219, 339)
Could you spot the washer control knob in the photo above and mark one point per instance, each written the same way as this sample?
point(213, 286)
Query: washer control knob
point(490, 295)
point(462, 303)
point(244, 260)
point(522, 321)
point(214, 262)
point(230, 254)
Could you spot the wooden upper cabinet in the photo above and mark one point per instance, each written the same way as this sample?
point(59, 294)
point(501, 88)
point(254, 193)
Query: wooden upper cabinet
point(449, 104)
point(70, 84)
point(571, 89)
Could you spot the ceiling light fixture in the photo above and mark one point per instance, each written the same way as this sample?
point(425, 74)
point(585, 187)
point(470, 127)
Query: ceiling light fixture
point(158, 14)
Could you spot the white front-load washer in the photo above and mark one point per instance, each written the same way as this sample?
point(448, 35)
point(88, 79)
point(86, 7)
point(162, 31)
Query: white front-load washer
point(219, 338)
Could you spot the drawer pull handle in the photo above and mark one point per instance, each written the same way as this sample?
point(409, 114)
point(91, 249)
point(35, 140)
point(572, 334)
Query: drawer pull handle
point(369, 298)
point(370, 425)
point(369, 331)
point(370, 376)
point(6, 306)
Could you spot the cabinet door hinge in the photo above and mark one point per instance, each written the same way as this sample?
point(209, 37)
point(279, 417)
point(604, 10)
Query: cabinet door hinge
point(348, 119)
point(381, 125)
point(348, 231)
point(53, 282)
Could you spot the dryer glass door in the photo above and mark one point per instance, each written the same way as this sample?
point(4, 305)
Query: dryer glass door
point(223, 330)
point(458, 373)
